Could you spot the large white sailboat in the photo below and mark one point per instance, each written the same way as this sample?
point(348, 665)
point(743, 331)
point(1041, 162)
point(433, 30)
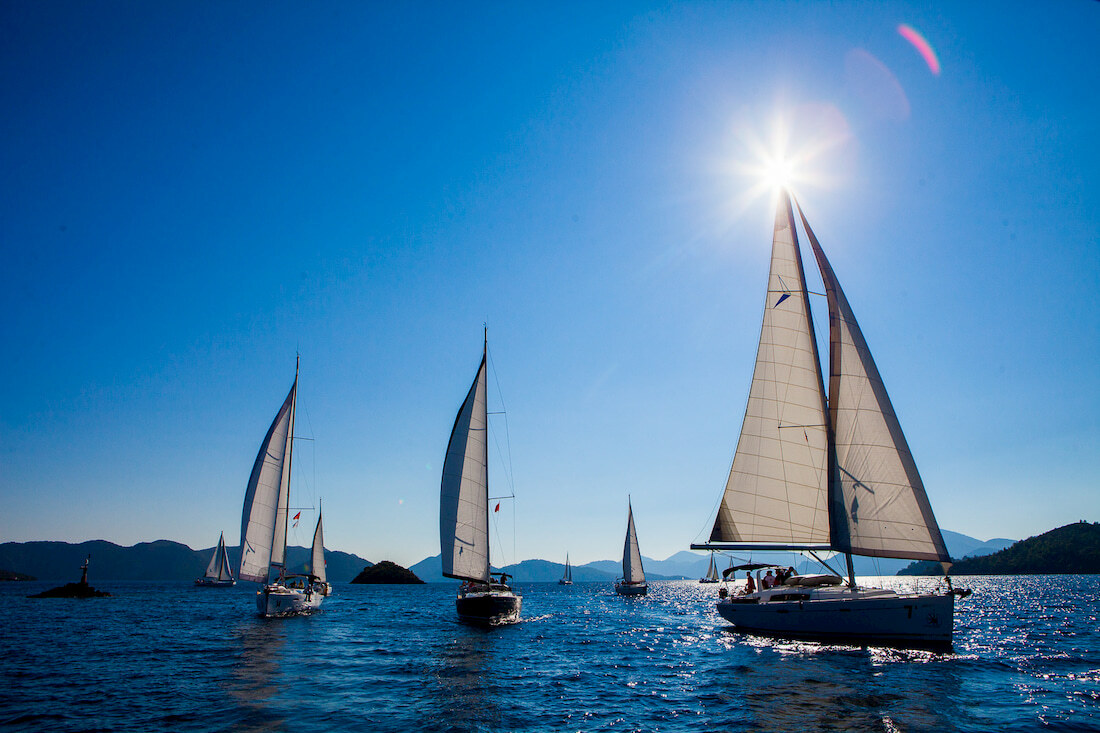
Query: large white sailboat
point(633, 581)
point(816, 474)
point(464, 514)
point(567, 578)
point(218, 573)
point(264, 522)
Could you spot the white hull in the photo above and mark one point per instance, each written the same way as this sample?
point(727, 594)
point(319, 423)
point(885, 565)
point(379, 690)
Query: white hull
point(214, 583)
point(278, 600)
point(632, 589)
point(839, 614)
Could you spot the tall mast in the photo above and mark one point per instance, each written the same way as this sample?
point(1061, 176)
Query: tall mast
point(290, 459)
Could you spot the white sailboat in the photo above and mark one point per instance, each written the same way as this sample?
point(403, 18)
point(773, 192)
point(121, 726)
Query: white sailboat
point(567, 579)
point(218, 573)
point(817, 474)
point(464, 514)
point(712, 572)
point(633, 581)
point(317, 574)
point(264, 524)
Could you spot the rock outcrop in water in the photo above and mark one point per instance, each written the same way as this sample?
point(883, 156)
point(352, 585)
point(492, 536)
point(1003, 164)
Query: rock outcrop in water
point(1070, 550)
point(387, 572)
point(74, 590)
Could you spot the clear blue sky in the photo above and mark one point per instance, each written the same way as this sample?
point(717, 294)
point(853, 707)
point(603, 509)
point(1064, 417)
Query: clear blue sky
point(192, 192)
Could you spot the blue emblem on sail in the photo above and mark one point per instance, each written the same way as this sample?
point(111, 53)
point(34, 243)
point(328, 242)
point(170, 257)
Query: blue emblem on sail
point(782, 297)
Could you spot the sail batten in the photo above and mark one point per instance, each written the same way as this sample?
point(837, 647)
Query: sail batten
point(777, 488)
point(464, 503)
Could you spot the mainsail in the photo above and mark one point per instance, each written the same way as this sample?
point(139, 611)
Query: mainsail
point(568, 570)
point(811, 474)
point(464, 490)
point(777, 487)
point(317, 556)
point(632, 556)
point(263, 521)
point(878, 503)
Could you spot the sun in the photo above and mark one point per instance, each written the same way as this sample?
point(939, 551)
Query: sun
point(804, 146)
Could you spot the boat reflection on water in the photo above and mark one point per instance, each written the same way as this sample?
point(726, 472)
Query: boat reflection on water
point(463, 681)
point(255, 675)
point(808, 685)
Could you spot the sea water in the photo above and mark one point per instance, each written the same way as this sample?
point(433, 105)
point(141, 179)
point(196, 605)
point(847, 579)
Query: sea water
point(170, 656)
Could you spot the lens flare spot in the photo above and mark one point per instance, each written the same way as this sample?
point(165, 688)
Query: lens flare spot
point(922, 46)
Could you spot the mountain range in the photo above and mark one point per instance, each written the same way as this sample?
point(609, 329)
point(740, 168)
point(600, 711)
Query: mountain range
point(159, 560)
point(167, 560)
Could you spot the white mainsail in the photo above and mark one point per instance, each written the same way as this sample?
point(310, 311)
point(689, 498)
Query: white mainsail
point(263, 520)
point(568, 570)
point(777, 487)
point(632, 556)
point(879, 505)
point(219, 568)
point(464, 490)
point(317, 556)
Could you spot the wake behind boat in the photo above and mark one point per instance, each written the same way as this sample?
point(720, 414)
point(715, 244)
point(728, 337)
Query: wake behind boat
point(218, 573)
point(815, 474)
point(633, 581)
point(464, 514)
point(264, 522)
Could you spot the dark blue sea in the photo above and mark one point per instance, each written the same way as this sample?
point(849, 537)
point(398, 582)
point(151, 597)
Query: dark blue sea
point(172, 657)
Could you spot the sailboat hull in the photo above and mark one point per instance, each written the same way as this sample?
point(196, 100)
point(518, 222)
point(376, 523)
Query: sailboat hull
point(632, 589)
point(214, 583)
point(488, 607)
point(278, 600)
point(838, 614)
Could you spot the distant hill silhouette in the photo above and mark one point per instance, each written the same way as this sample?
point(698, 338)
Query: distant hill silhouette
point(386, 572)
point(160, 560)
point(1072, 549)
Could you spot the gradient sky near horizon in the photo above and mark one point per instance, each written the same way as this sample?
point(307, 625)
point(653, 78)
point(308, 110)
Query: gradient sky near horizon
point(194, 192)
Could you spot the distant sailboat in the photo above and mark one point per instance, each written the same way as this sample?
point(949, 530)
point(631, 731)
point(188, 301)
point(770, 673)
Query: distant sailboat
point(712, 572)
point(633, 581)
point(567, 579)
point(218, 574)
point(264, 522)
point(817, 474)
point(317, 575)
point(464, 514)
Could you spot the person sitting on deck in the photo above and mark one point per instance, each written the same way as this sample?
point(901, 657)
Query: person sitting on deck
point(750, 586)
point(768, 581)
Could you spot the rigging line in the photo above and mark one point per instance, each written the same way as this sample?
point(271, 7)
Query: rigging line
point(504, 411)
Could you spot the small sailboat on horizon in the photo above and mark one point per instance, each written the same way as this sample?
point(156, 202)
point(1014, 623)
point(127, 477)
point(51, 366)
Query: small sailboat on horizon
point(264, 521)
point(633, 582)
point(825, 473)
point(567, 578)
point(712, 572)
point(219, 573)
point(464, 514)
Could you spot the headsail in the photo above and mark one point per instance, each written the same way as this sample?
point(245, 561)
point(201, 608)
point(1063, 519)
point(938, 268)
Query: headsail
point(777, 487)
point(263, 520)
point(877, 499)
point(632, 556)
point(464, 490)
point(317, 557)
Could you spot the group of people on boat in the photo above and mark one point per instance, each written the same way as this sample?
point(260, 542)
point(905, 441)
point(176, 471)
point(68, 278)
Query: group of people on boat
point(770, 580)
